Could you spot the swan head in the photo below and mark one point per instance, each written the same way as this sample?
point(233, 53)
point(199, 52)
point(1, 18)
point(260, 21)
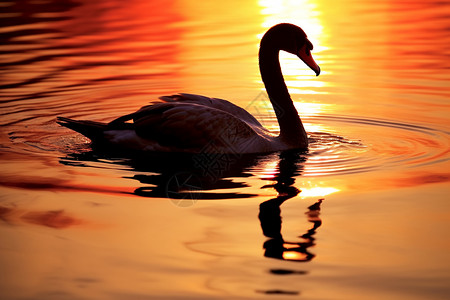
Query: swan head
point(292, 39)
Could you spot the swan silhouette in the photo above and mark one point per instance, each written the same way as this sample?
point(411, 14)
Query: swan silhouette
point(194, 124)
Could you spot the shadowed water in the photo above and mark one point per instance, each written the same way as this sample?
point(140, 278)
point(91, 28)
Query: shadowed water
point(363, 214)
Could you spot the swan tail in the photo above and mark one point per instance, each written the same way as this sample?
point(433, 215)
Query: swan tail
point(90, 129)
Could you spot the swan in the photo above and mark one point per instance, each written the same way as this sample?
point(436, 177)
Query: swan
point(189, 123)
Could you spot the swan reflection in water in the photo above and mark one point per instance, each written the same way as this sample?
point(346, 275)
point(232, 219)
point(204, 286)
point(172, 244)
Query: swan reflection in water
point(270, 215)
point(276, 246)
point(186, 179)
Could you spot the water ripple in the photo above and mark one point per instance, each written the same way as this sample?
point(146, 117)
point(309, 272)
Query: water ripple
point(400, 145)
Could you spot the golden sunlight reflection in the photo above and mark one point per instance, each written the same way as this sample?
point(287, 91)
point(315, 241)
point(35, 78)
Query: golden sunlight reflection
point(269, 170)
point(310, 109)
point(293, 255)
point(299, 12)
point(304, 13)
point(318, 191)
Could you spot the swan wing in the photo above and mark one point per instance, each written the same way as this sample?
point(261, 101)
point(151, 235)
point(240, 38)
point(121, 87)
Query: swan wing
point(186, 126)
point(216, 103)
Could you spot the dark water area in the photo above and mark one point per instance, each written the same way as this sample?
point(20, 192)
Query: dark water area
point(363, 214)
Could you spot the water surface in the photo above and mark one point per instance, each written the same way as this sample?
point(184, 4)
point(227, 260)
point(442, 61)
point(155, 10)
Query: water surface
point(364, 214)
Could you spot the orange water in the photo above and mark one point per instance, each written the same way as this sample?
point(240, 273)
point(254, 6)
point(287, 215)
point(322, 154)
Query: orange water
point(83, 224)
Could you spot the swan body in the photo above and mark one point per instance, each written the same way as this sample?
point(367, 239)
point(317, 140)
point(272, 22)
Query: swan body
point(194, 124)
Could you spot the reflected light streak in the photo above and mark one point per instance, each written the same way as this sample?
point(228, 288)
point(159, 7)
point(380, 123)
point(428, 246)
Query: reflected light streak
point(310, 127)
point(293, 255)
point(269, 171)
point(299, 79)
point(318, 191)
point(310, 109)
point(302, 13)
point(300, 83)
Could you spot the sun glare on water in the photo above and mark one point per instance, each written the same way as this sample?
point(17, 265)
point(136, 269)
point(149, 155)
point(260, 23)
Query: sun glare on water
point(299, 79)
point(304, 14)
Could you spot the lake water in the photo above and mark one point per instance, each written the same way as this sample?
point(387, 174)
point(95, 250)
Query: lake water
point(364, 214)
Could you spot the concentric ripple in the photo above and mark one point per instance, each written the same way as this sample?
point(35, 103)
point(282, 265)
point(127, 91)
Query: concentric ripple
point(384, 144)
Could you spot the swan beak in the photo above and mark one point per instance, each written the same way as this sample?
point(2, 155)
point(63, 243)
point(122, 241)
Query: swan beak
point(305, 55)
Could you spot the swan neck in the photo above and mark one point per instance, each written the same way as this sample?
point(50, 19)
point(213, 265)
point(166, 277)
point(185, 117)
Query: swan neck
point(291, 126)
